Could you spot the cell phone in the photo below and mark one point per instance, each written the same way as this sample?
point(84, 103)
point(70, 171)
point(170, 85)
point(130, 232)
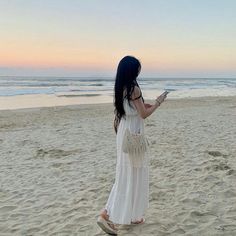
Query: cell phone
point(165, 93)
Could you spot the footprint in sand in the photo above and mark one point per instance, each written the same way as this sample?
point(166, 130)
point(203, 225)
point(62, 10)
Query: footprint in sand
point(231, 172)
point(57, 153)
point(150, 124)
point(218, 167)
point(215, 153)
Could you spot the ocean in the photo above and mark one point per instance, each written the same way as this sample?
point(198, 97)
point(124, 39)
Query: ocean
point(99, 86)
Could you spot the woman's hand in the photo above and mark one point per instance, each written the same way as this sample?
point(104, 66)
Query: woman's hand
point(147, 105)
point(161, 98)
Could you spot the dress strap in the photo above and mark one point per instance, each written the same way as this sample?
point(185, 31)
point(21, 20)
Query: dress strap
point(140, 96)
point(137, 97)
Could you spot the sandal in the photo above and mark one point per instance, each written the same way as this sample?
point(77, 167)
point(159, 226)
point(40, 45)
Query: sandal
point(106, 226)
point(138, 222)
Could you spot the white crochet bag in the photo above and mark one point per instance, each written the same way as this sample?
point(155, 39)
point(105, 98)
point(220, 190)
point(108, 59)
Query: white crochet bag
point(135, 144)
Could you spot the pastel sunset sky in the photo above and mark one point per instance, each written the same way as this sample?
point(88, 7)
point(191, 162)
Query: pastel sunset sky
point(172, 38)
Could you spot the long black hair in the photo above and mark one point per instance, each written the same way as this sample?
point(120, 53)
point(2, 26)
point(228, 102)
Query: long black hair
point(128, 70)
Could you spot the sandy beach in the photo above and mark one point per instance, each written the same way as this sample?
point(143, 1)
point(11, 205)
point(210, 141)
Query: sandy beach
point(58, 166)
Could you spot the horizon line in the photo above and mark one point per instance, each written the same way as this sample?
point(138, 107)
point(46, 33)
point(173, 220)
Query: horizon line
point(142, 77)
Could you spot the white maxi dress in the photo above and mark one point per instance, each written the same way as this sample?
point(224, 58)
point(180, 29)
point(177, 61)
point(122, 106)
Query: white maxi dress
point(129, 196)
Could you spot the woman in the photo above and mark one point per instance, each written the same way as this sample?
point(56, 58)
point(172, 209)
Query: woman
point(128, 198)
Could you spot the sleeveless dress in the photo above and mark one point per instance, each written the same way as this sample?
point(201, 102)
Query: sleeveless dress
point(129, 196)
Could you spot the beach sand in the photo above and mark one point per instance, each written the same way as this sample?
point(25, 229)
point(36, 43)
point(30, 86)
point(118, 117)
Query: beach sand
point(58, 166)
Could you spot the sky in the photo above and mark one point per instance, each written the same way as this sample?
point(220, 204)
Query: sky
point(171, 38)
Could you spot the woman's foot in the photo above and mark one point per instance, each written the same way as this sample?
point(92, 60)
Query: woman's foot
point(105, 224)
point(104, 214)
point(138, 221)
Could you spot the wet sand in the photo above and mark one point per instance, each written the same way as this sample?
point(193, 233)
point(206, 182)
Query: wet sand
point(58, 166)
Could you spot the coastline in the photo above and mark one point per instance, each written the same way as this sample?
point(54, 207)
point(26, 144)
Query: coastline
point(44, 100)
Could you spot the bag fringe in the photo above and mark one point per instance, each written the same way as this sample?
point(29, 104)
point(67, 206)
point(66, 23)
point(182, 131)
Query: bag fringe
point(135, 145)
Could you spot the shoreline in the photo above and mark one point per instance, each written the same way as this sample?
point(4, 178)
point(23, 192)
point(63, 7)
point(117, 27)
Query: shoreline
point(39, 101)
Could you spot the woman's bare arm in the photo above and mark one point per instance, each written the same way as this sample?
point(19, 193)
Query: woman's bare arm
point(143, 110)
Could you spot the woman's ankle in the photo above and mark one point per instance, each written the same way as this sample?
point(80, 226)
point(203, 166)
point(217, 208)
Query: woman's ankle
point(104, 214)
